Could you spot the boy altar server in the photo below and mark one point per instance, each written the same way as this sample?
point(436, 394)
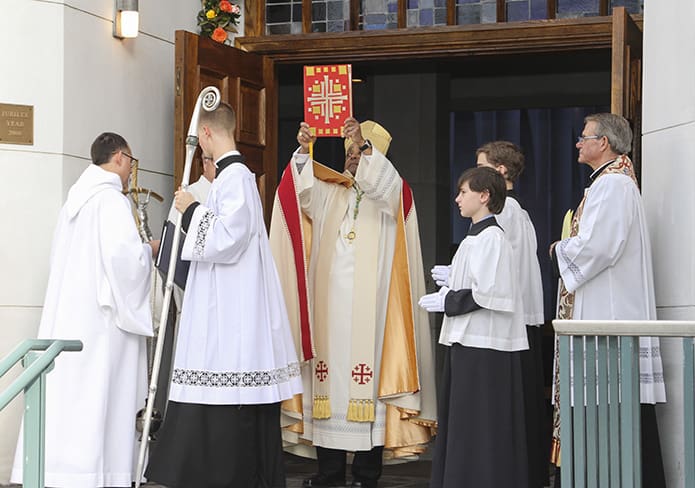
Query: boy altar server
point(482, 433)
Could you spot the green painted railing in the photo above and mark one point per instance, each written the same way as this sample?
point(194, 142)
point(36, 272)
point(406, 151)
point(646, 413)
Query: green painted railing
point(33, 382)
point(601, 436)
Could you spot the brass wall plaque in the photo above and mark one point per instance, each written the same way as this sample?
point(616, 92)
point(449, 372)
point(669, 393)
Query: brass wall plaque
point(16, 124)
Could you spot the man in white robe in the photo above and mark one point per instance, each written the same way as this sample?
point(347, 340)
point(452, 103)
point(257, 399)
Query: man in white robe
point(98, 292)
point(354, 308)
point(235, 359)
point(605, 266)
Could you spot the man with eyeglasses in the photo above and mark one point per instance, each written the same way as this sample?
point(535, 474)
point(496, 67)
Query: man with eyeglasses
point(133, 160)
point(605, 267)
point(98, 292)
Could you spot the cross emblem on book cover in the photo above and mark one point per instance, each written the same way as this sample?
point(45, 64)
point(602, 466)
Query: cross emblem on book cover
point(327, 98)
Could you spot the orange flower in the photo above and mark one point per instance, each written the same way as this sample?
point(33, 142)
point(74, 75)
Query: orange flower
point(225, 6)
point(219, 35)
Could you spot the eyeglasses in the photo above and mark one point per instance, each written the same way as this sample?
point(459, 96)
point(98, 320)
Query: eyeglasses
point(581, 139)
point(133, 161)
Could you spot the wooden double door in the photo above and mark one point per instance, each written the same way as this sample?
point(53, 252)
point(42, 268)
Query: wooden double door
point(247, 75)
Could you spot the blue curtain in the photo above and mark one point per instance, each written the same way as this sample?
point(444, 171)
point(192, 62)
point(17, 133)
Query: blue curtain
point(552, 182)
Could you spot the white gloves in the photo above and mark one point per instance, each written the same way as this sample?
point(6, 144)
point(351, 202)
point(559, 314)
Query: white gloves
point(434, 302)
point(440, 274)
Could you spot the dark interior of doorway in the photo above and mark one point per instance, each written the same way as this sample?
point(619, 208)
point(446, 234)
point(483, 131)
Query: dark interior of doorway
point(536, 100)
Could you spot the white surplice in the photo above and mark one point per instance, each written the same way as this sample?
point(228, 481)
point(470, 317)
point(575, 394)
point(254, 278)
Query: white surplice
point(521, 234)
point(234, 343)
point(608, 267)
point(484, 264)
point(98, 292)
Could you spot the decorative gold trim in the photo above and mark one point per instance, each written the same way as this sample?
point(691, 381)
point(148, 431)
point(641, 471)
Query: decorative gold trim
point(322, 407)
point(361, 410)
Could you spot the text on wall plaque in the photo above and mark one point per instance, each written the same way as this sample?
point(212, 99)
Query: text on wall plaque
point(16, 124)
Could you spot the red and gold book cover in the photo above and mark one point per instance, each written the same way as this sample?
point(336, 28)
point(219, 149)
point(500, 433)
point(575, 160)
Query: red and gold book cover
point(327, 98)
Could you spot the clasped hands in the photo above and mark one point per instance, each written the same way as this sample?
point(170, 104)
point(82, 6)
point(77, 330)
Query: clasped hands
point(434, 302)
point(440, 274)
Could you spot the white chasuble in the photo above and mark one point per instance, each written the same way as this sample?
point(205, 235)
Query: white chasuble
point(521, 234)
point(353, 289)
point(484, 264)
point(347, 323)
point(608, 267)
point(234, 342)
point(98, 292)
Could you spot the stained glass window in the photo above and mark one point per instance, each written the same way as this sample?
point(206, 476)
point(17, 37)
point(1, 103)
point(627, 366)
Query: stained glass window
point(576, 8)
point(476, 11)
point(285, 16)
point(632, 6)
point(337, 15)
point(422, 13)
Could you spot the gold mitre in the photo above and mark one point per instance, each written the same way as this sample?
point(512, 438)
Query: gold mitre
point(377, 135)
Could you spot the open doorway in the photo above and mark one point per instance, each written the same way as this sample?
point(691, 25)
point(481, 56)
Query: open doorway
point(439, 112)
point(441, 94)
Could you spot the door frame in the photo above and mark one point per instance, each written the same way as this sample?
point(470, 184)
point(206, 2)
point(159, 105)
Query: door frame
point(619, 33)
point(537, 36)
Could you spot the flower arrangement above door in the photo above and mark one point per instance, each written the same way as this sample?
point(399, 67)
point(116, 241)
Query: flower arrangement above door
point(218, 19)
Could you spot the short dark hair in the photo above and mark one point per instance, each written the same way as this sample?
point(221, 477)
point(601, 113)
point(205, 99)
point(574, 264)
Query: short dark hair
point(504, 153)
point(105, 146)
point(222, 118)
point(486, 179)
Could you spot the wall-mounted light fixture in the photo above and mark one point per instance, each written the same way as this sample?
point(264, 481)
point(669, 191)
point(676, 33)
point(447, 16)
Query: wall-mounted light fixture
point(126, 18)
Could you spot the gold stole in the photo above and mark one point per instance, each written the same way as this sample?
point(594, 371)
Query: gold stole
point(565, 306)
point(399, 361)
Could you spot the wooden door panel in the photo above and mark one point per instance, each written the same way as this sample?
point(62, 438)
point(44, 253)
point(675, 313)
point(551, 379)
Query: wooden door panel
point(254, 157)
point(213, 78)
point(626, 76)
point(247, 82)
point(251, 105)
point(626, 70)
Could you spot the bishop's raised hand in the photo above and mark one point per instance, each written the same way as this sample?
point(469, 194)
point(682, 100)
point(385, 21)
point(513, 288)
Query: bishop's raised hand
point(304, 137)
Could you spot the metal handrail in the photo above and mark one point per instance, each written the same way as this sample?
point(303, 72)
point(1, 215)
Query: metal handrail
point(606, 354)
point(33, 382)
point(52, 348)
point(633, 328)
